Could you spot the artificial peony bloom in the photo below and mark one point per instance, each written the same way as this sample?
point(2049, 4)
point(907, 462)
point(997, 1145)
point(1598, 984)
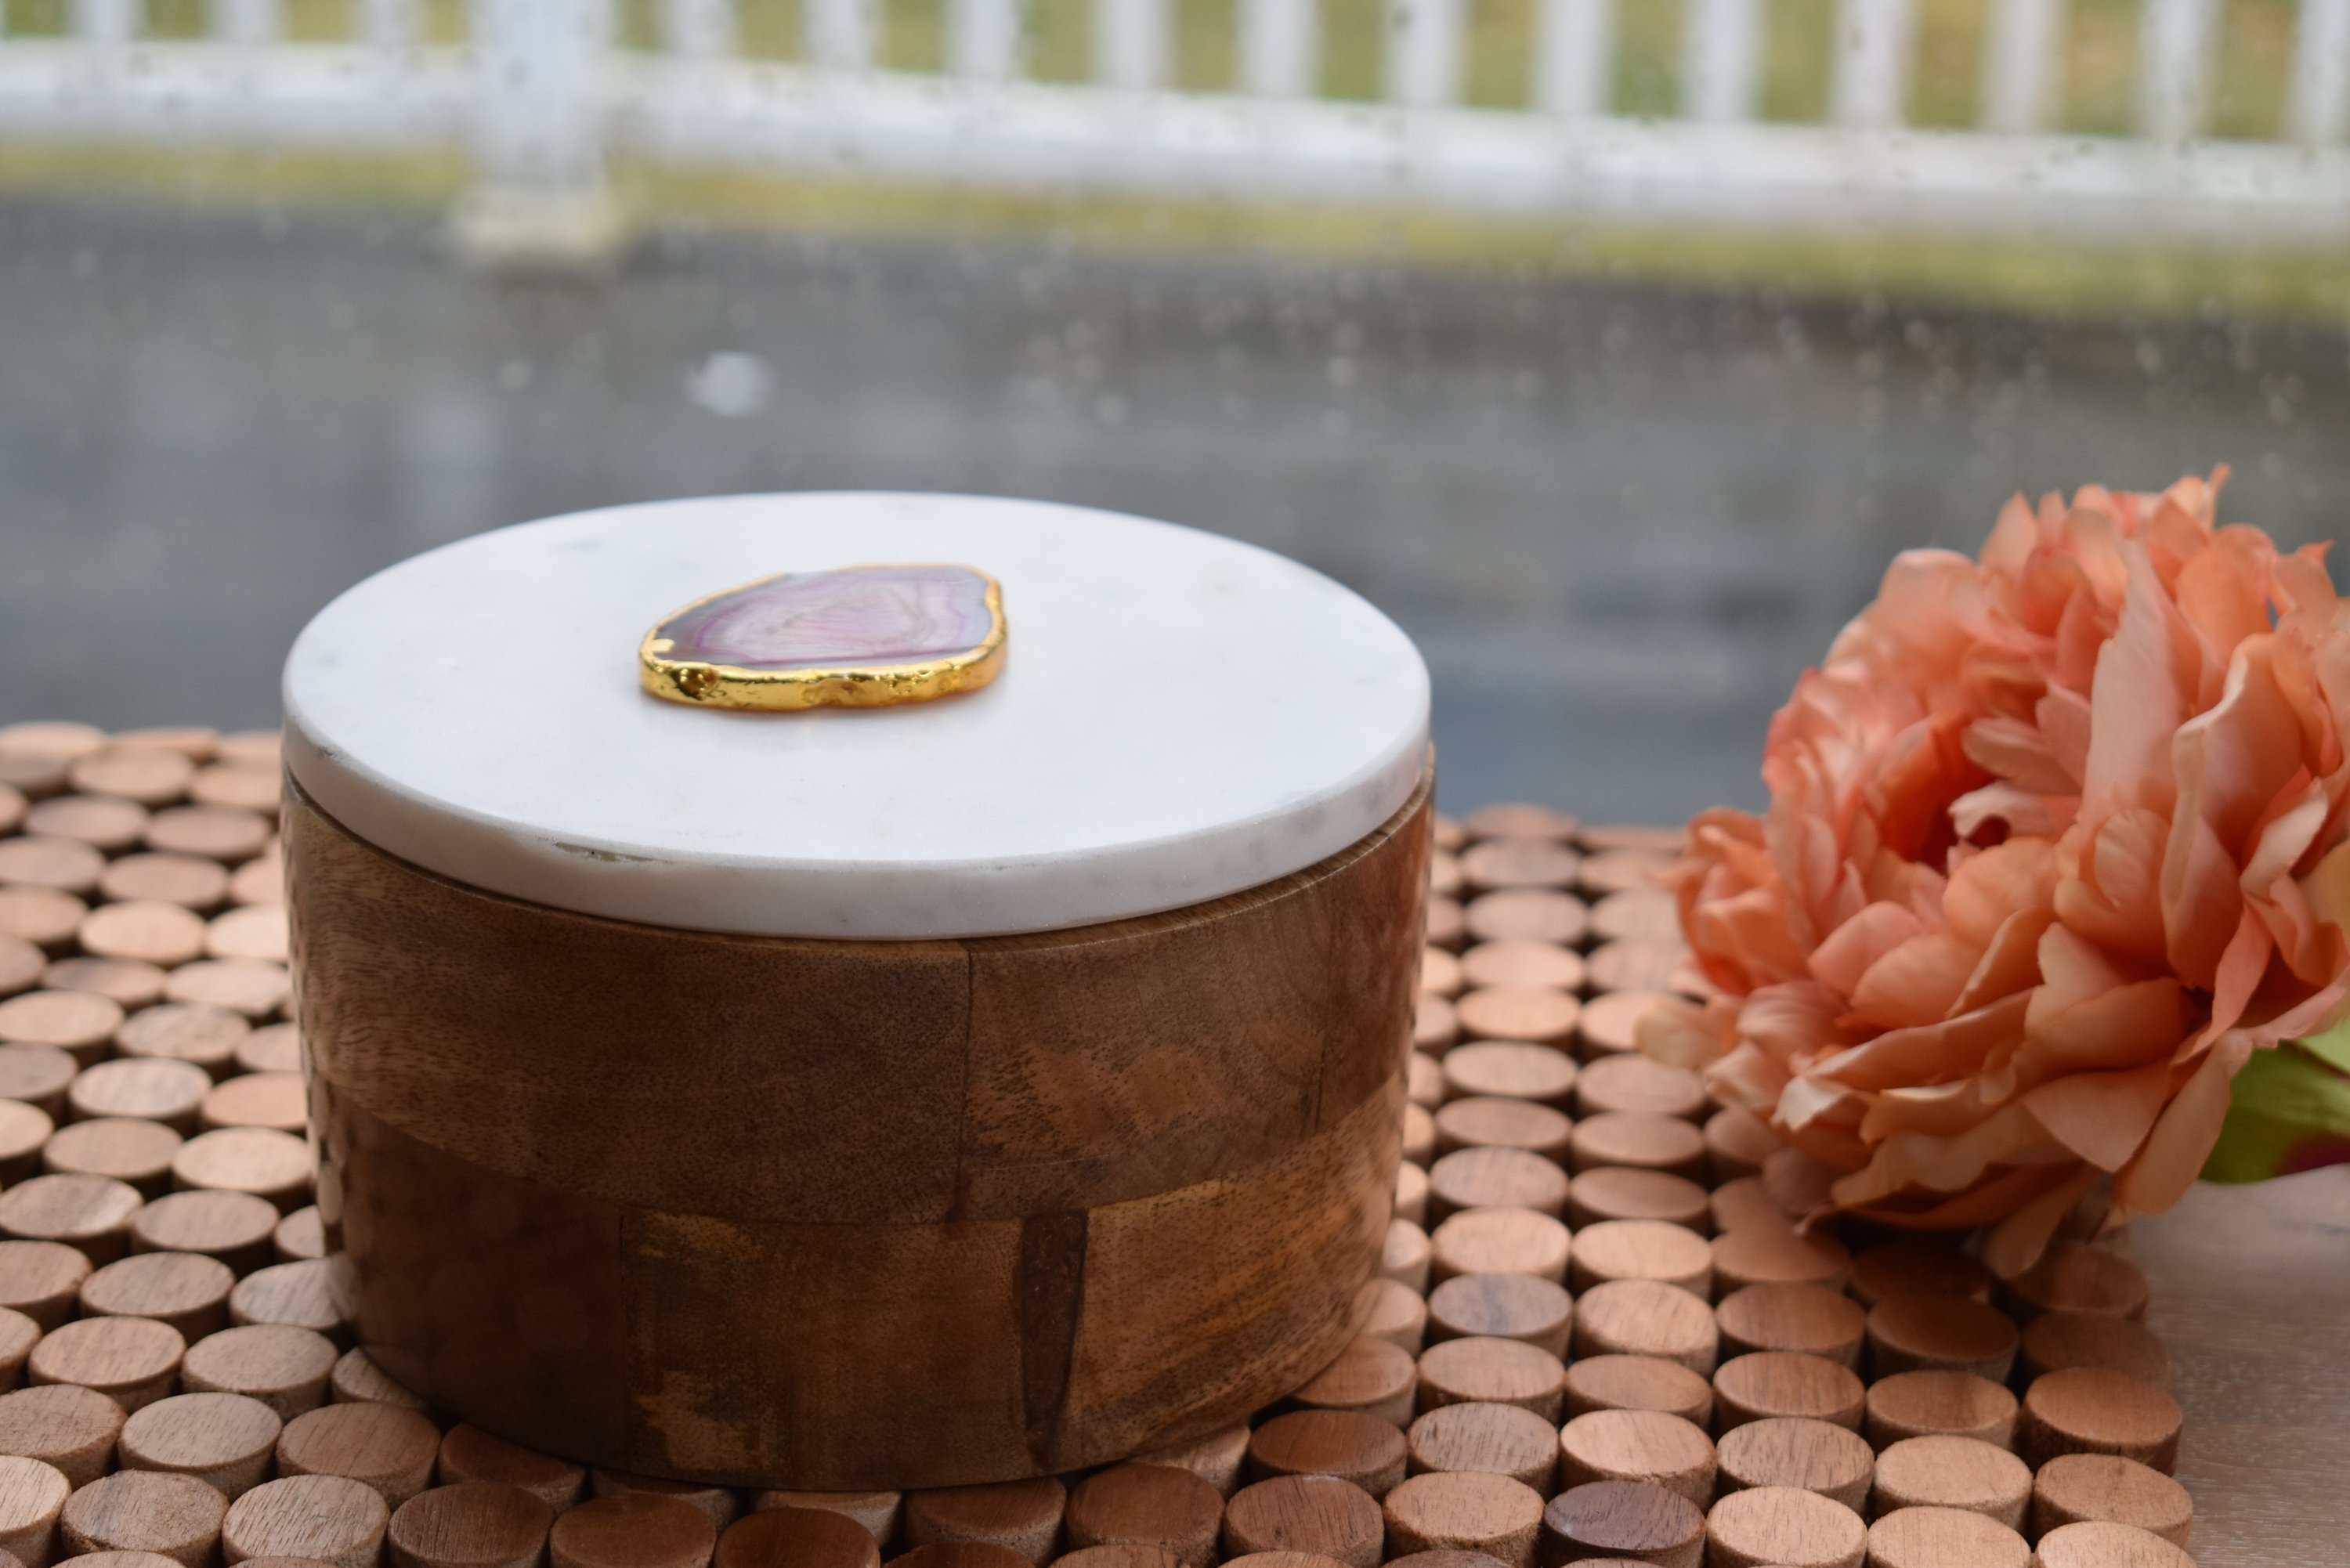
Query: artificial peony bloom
point(2058, 838)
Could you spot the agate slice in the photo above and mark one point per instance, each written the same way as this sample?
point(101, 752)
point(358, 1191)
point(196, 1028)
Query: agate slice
point(858, 637)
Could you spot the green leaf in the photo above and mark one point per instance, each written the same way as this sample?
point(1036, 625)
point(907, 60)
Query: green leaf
point(2290, 1110)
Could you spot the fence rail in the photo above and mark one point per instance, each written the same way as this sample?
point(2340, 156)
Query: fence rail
point(542, 94)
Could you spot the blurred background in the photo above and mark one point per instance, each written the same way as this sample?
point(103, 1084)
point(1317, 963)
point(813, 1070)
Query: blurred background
point(1611, 345)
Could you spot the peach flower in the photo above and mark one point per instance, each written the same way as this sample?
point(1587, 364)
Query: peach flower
point(2057, 837)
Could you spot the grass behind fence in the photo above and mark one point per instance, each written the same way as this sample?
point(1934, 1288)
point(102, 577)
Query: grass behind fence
point(2097, 76)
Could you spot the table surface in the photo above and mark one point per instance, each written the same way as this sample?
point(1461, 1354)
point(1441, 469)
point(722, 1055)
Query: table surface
point(2252, 1294)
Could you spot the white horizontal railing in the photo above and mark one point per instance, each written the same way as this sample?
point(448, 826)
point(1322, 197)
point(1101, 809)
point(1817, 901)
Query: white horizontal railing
point(543, 95)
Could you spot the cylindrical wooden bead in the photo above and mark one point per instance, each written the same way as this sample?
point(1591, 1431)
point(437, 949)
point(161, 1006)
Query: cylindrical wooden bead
point(1639, 1083)
point(2088, 1410)
point(26, 1133)
point(1389, 1309)
point(482, 1524)
point(1791, 1451)
point(186, 1289)
point(165, 934)
point(18, 1334)
point(42, 1280)
point(1516, 962)
point(2055, 1340)
point(1503, 1306)
point(1495, 1439)
point(1440, 971)
point(1526, 915)
point(1448, 926)
point(1406, 1254)
point(1500, 1242)
point(126, 982)
point(1434, 1025)
point(235, 1227)
point(1495, 1178)
point(1758, 1255)
point(877, 1512)
point(720, 1503)
point(166, 1091)
point(1411, 1193)
point(122, 1147)
point(38, 1076)
point(268, 1164)
point(1910, 1332)
point(1917, 1264)
point(1776, 1525)
point(469, 1454)
point(2071, 1488)
point(796, 1538)
point(1640, 1250)
point(1493, 1371)
point(1641, 1317)
point(1315, 1514)
point(78, 1022)
point(300, 1237)
point(1639, 1445)
point(1419, 1136)
point(1621, 1192)
point(1637, 1383)
point(284, 1368)
point(1639, 1138)
point(224, 1441)
point(275, 1100)
point(90, 1213)
point(1347, 1444)
point(32, 1495)
point(1153, 1505)
point(1511, 861)
point(175, 1516)
point(633, 1530)
point(298, 1295)
point(1424, 1080)
point(1023, 1515)
point(2075, 1276)
point(357, 1379)
point(1488, 1121)
point(187, 881)
point(71, 1427)
point(1737, 1142)
point(1811, 1320)
point(1953, 1472)
point(1505, 819)
point(1925, 1404)
point(130, 1360)
point(1634, 1522)
point(1372, 1376)
point(1515, 1070)
point(1217, 1459)
point(1610, 1025)
point(1464, 1511)
point(2102, 1544)
point(1926, 1537)
point(193, 1034)
point(380, 1446)
point(272, 1048)
point(1777, 1383)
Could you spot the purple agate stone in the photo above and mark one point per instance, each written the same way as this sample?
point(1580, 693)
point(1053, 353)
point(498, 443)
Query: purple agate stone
point(854, 617)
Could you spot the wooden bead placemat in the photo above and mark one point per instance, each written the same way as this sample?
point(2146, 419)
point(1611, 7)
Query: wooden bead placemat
point(1596, 1337)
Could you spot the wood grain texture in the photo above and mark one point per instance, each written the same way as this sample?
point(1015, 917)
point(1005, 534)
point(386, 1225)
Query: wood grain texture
point(1124, 1187)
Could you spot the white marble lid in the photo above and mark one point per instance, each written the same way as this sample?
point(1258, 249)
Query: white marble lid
point(1180, 716)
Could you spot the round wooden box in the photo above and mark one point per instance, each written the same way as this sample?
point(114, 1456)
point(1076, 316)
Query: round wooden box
point(856, 1098)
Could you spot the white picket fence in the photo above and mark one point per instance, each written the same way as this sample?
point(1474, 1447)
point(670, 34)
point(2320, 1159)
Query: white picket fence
point(543, 96)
